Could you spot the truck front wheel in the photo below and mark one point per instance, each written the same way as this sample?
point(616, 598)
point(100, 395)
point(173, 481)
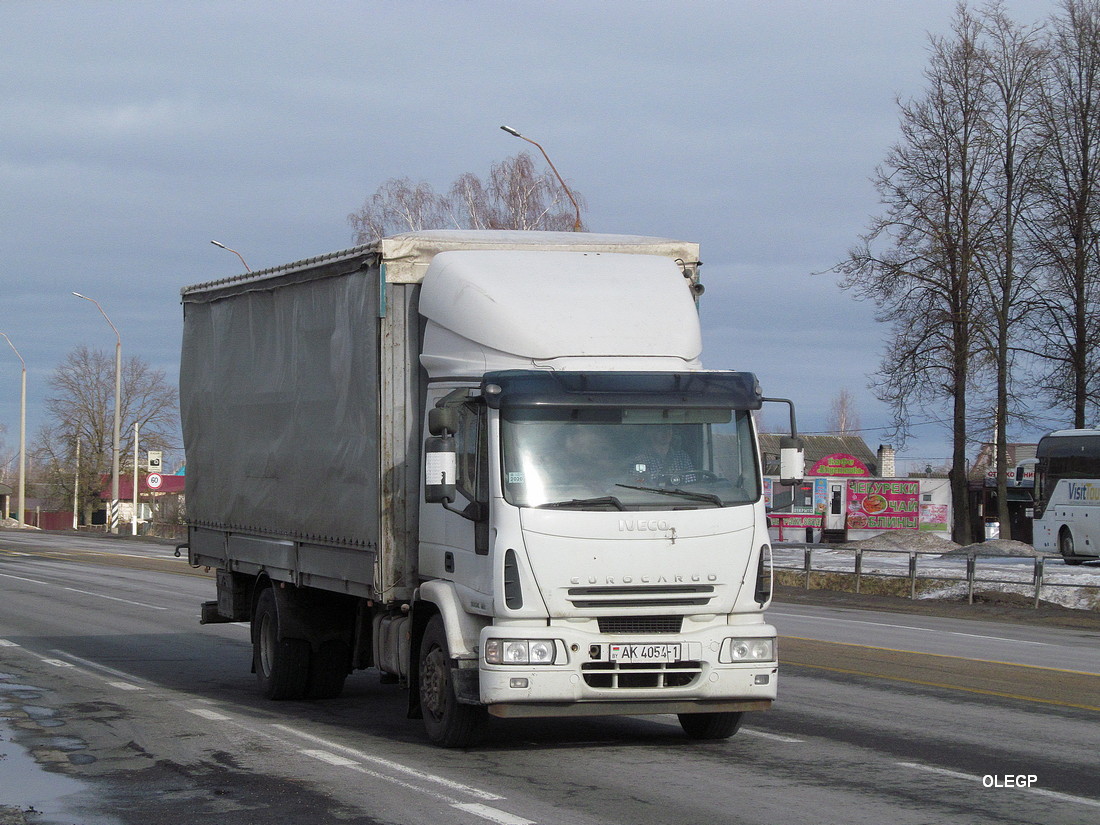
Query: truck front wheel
point(448, 722)
point(710, 725)
point(282, 667)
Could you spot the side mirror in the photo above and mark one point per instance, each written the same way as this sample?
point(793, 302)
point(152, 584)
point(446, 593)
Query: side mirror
point(440, 467)
point(442, 420)
point(792, 460)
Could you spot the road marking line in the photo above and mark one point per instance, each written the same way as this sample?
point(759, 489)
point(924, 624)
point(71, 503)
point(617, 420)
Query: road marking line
point(330, 758)
point(57, 663)
point(391, 765)
point(110, 671)
point(944, 656)
point(116, 599)
point(493, 814)
point(85, 592)
point(775, 737)
point(1035, 699)
point(1064, 797)
point(212, 715)
point(352, 765)
point(907, 627)
point(125, 686)
point(7, 643)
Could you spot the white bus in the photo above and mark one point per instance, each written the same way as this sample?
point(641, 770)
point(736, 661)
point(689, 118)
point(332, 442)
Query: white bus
point(1067, 494)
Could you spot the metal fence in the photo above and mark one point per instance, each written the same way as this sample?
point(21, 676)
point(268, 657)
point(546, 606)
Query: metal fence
point(1037, 581)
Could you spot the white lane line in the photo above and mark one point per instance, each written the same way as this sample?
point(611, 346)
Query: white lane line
point(774, 737)
point(116, 599)
point(905, 627)
point(391, 765)
point(331, 758)
point(57, 663)
point(103, 669)
point(125, 686)
point(84, 592)
point(492, 814)
point(672, 721)
point(7, 643)
point(1063, 797)
point(206, 713)
point(476, 808)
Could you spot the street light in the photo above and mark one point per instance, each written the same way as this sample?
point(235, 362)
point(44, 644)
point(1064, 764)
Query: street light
point(112, 513)
point(235, 252)
point(577, 209)
point(22, 433)
point(137, 431)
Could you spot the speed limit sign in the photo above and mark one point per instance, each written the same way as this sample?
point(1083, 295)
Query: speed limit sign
point(153, 481)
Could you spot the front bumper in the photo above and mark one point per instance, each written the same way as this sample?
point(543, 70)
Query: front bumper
point(584, 680)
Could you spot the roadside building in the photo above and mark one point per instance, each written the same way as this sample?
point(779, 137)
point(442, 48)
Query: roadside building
point(850, 492)
point(982, 484)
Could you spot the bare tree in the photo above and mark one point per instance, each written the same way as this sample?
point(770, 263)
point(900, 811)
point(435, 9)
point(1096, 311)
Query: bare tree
point(919, 262)
point(1014, 64)
point(843, 417)
point(399, 206)
point(1065, 221)
point(516, 196)
point(81, 408)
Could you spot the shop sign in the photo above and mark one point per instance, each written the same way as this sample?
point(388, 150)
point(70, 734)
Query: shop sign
point(883, 505)
point(839, 465)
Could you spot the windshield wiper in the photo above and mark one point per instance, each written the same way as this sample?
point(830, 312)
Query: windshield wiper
point(584, 502)
point(708, 497)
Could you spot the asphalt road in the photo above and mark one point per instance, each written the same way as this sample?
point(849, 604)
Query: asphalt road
point(117, 707)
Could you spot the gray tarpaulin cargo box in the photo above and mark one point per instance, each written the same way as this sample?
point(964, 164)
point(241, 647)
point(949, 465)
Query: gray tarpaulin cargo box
point(300, 396)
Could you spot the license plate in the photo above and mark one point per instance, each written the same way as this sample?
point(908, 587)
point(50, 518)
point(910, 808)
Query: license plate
point(660, 652)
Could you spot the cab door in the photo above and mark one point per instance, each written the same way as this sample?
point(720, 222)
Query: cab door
point(454, 540)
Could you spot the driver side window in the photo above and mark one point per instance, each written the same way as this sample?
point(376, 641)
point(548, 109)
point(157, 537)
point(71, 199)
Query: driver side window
point(471, 442)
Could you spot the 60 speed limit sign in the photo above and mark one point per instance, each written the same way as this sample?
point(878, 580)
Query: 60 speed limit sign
point(153, 481)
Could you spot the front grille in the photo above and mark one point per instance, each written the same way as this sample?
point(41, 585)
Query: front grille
point(673, 595)
point(640, 625)
point(627, 675)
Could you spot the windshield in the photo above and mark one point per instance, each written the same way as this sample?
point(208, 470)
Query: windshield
point(597, 458)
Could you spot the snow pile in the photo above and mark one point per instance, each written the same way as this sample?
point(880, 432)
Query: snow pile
point(10, 522)
point(906, 540)
point(997, 547)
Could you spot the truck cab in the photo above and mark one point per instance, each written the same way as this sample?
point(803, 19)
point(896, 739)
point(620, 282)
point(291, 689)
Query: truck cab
point(596, 531)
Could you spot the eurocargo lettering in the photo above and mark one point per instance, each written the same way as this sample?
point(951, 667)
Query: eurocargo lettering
point(485, 465)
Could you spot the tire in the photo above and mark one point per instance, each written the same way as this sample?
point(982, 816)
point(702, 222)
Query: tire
point(328, 668)
point(282, 667)
point(710, 725)
point(1065, 547)
point(449, 723)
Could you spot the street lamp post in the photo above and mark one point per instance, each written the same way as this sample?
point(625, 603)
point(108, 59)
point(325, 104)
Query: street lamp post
point(112, 513)
point(22, 433)
point(235, 252)
point(577, 209)
point(76, 487)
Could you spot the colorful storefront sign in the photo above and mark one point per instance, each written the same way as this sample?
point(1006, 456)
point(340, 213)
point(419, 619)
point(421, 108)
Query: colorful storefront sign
point(887, 504)
point(839, 465)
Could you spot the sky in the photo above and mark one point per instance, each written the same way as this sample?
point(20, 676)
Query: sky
point(134, 133)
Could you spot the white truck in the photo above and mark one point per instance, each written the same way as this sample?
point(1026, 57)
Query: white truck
point(489, 465)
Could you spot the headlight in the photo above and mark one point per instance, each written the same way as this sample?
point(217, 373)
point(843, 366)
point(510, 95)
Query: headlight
point(747, 650)
point(520, 651)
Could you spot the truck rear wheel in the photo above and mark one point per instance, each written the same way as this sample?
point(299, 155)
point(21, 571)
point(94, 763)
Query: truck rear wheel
point(282, 667)
point(448, 722)
point(710, 725)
